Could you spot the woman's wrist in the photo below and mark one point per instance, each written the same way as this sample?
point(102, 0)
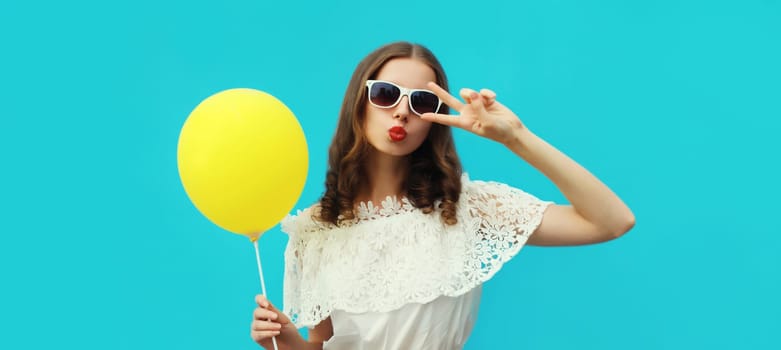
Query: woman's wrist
point(293, 341)
point(519, 141)
point(299, 343)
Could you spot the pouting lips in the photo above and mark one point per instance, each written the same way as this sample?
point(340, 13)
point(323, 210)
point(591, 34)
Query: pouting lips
point(397, 133)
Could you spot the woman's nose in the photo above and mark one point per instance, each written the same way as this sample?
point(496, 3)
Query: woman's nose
point(402, 109)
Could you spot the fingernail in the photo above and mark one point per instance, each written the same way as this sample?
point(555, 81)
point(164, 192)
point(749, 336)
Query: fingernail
point(274, 316)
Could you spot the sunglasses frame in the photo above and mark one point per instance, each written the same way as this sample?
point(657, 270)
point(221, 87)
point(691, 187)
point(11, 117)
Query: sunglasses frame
point(403, 92)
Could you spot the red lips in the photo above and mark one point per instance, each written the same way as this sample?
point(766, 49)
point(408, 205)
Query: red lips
point(397, 133)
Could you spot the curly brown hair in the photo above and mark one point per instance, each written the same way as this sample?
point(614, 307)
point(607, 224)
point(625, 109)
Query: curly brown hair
point(435, 170)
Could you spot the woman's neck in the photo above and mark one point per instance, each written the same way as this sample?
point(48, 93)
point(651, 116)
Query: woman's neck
point(385, 177)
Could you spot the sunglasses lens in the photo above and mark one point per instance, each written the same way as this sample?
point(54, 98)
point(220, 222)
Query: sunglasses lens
point(383, 94)
point(424, 102)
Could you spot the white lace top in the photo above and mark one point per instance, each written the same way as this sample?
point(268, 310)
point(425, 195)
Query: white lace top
point(393, 261)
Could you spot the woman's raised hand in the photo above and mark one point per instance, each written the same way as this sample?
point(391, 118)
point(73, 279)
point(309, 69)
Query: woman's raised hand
point(480, 113)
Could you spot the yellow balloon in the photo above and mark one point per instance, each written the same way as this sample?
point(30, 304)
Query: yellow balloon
point(243, 160)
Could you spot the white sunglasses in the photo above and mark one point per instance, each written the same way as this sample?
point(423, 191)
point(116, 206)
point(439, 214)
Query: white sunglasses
point(384, 94)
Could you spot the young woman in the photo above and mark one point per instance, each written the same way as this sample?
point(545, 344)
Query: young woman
point(394, 254)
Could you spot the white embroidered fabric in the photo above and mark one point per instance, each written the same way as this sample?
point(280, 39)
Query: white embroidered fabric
point(442, 324)
point(393, 254)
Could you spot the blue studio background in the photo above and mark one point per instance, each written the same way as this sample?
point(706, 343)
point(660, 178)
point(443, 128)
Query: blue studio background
point(674, 104)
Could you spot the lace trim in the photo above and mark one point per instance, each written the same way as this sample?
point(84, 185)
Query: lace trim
point(388, 207)
point(393, 254)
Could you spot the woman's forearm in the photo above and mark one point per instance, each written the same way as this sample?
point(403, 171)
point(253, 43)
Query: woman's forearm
point(591, 198)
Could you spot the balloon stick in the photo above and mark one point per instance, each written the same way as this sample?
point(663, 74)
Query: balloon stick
point(263, 284)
